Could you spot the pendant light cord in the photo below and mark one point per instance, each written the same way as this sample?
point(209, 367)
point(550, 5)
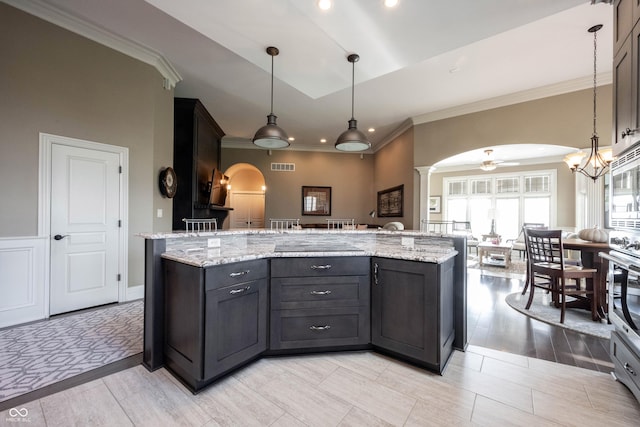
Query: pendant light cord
point(353, 78)
point(595, 50)
point(271, 84)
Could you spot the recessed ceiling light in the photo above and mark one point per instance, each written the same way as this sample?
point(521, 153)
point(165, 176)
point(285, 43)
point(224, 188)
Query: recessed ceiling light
point(323, 140)
point(291, 138)
point(324, 4)
point(390, 3)
point(371, 130)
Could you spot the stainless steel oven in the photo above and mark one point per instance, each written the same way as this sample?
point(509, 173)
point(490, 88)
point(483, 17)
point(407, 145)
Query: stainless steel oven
point(624, 306)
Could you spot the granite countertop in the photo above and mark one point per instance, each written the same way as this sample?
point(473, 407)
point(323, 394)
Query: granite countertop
point(205, 257)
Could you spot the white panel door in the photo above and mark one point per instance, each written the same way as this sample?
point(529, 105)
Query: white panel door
point(85, 186)
point(248, 210)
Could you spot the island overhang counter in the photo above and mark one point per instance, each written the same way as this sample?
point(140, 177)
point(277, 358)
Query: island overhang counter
point(399, 292)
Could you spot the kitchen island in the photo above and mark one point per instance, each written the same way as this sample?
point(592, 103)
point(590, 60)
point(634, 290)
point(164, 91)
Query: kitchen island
point(216, 301)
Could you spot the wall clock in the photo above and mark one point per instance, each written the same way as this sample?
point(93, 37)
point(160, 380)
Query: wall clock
point(168, 182)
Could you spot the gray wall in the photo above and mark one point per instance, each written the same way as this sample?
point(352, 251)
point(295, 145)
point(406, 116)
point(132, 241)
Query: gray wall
point(350, 179)
point(393, 166)
point(558, 120)
point(57, 82)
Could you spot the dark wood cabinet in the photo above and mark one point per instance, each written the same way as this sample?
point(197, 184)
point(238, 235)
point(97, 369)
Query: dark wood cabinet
point(623, 97)
point(412, 310)
point(624, 19)
point(216, 318)
point(320, 302)
point(219, 318)
point(626, 76)
point(197, 140)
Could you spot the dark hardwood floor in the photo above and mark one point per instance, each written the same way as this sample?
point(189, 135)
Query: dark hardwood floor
point(493, 324)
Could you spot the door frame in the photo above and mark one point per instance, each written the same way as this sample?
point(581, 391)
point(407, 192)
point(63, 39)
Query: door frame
point(44, 204)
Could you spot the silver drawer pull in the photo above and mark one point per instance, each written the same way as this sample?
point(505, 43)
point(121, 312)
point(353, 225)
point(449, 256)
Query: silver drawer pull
point(319, 328)
point(239, 273)
point(237, 291)
point(629, 369)
point(327, 292)
point(321, 267)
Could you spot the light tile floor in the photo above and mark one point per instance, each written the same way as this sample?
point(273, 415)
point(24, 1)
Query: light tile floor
point(479, 387)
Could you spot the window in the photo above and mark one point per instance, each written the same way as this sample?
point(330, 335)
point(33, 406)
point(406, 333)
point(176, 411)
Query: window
point(509, 199)
point(507, 185)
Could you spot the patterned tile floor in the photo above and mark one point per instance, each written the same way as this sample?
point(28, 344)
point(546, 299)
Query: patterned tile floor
point(42, 353)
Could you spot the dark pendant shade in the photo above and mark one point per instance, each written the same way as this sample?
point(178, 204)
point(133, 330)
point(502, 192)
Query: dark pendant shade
point(271, 135)
point(352, 139)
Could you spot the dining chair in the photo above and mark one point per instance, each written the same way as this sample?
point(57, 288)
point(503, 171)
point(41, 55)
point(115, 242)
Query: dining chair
point(520, 246)
point(548, 270)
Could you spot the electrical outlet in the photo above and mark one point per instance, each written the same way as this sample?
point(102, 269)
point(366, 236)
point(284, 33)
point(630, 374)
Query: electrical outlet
point(213, 243)
point(159, 213)
point(407, 242)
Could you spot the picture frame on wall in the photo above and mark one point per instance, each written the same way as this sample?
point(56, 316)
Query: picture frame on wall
point(434, 204)
point(316, 201)
point(390, 202)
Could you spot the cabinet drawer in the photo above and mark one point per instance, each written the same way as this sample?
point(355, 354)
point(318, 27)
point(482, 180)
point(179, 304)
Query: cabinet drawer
point(237, 272)
point(319, 266)
point(316, 292)
point(626, 362)
point(319, 328)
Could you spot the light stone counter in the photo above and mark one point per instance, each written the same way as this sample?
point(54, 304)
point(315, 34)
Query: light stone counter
point(223, 247)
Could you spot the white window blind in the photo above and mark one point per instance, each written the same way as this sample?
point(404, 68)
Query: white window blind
point(507, 185)
point(457, 188)
point(481, 186)
point(536, 184)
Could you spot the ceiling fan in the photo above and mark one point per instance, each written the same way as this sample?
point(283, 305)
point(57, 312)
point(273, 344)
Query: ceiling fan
point(490, 164)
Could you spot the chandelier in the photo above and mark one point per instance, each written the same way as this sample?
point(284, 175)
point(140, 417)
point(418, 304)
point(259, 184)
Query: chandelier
point(598, 161)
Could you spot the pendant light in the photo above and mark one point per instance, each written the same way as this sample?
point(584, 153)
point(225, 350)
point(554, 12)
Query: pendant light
point(598, 161)
point(352, 139)
point(271, 135)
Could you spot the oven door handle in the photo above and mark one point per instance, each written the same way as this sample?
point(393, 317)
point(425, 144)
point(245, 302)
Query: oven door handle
point(620, 262)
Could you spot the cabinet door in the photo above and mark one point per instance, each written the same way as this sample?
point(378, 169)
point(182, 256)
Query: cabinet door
point(623, 19)
point(405, 308)
point(623, 98)
point(235, 325)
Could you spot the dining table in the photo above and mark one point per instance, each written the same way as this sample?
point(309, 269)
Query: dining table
point(590, 259)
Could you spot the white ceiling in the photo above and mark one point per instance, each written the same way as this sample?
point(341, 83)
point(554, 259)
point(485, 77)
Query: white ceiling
point(423, 60)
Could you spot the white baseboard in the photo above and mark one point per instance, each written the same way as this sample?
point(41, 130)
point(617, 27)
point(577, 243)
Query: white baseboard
point(134, 293)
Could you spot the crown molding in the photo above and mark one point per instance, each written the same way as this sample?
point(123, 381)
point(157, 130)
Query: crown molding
point(100, 35)
point(515, 98)
point(404, 126)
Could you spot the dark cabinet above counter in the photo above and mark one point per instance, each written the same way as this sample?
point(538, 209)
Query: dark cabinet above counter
point(197, 142)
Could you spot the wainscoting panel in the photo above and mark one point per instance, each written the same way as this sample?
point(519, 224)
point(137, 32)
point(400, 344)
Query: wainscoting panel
point(22, 280)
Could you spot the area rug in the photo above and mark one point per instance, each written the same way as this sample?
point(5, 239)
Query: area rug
point(575, 319)
point(516, 269)
point(42, 353)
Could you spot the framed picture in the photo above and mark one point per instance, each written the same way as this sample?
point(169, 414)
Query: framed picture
point(434, 204)
point(390, 201)
point(316, 201)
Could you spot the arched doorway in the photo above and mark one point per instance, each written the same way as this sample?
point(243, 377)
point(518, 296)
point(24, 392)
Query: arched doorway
point(246, 189)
